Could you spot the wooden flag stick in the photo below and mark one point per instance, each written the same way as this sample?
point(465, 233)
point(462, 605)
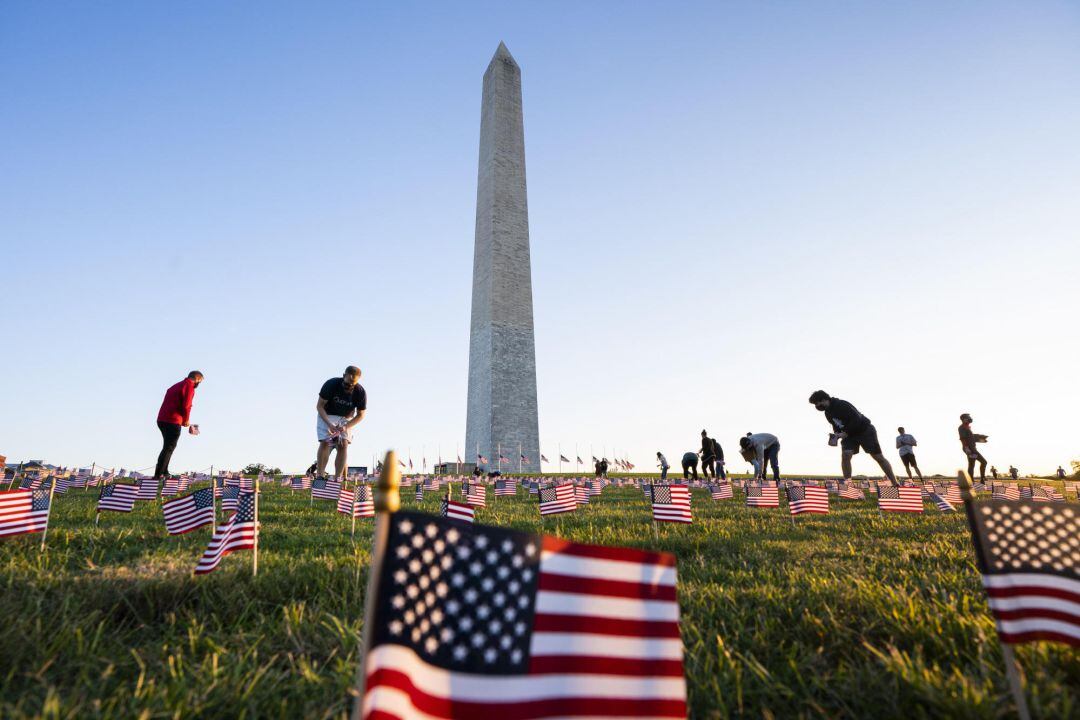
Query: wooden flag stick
point(48, 515)
point(352, 511)
point(1012, 673)
point(387, 501)
point(255, 553)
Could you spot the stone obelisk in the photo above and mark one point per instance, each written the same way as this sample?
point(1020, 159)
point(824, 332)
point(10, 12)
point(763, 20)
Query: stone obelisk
point(502, 352)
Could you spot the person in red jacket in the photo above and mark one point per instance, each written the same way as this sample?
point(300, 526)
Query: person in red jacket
point(175, 413)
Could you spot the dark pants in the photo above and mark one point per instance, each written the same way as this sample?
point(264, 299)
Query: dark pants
point(663, 473)
point(719, 472)
point(982, 465)
point(170, 434)
point(707, 467)
point(772, 457)
point(687, 467)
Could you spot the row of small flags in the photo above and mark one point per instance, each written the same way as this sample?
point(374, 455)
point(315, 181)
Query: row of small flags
point(1030, 577)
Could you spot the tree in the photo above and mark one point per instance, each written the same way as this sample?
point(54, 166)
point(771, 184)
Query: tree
point(259, 468)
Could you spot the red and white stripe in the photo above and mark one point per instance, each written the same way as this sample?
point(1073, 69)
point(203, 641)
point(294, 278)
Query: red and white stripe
point(460, 511)
point(1035, 606)
point(605, 643)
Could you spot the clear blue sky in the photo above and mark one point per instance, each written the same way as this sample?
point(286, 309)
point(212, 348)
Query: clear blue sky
point(731, 206)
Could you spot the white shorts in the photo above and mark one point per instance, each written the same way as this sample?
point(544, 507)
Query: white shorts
point(322, 430)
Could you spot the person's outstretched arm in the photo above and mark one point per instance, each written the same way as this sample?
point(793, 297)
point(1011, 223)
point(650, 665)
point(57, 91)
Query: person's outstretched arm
point(187, 397)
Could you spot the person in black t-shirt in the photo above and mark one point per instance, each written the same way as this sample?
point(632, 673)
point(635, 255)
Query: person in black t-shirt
point(708, 455)
point(341, 405)
point(853, 430)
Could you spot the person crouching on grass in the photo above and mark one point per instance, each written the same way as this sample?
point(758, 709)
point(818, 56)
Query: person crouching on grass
point(342, 404)
point(853, 430)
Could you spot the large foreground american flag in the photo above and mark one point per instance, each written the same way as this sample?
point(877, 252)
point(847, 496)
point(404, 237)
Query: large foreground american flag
point(1029, 557)
point(510, 625)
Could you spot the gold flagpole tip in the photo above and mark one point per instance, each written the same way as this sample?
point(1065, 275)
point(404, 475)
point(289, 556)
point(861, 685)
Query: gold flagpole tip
point(387, 495)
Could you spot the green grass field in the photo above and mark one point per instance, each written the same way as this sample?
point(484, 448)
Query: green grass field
point(847, 615)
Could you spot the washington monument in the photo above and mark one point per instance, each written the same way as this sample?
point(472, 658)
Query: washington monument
point(502, 352)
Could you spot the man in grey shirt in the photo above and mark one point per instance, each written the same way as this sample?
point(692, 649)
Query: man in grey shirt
point(906, 443)
point(761, 449)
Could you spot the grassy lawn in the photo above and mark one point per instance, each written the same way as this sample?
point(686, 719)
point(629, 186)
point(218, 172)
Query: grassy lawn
point(847, 615)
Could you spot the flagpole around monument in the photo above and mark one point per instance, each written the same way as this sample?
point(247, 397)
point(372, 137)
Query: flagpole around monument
point(387, 501)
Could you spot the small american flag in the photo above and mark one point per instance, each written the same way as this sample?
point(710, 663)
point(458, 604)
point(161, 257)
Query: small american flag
point(1030, 564)
point(189, 512)
point(766, 496)
point(1001, 491)
point(483, 460)
point(326, 488)
point(721, 491)
point(365, 505)
point(24, 511)
point(418, 495)
point(524, 459)
point(808, 499)
point(148, 489)
point(543, 459)
point(899, 499)
point(942, 503)
point(581, 494)
point(62, 482)
point(171, 488)
point(555, 500)
point(1053, 494)
point(475, 493)
point(563, 458)
point(508, 486)
point(302, 482)
point(230, 497)
point(519, 626)
point(117, 497)
point(503, 458)
point(671, 503)
point(457, 511)
point(239, 532)
point(595, 487)
point(953, 495)
point(346, 501)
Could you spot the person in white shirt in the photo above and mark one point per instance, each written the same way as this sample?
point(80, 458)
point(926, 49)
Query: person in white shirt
point(905, 443)
point(664, 466)
point(761, 449)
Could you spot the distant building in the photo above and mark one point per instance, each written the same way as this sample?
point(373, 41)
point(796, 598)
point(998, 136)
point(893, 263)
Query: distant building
point(452, 468)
